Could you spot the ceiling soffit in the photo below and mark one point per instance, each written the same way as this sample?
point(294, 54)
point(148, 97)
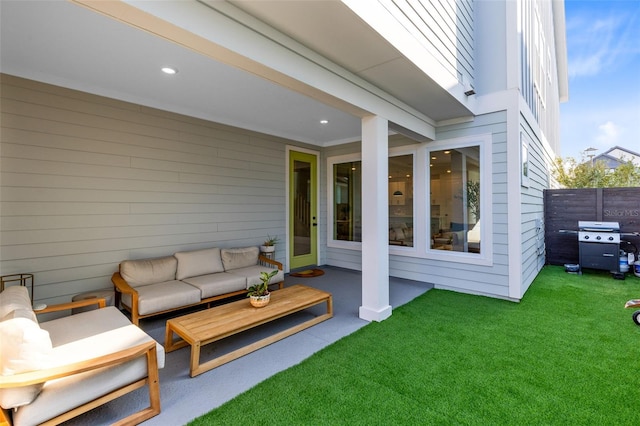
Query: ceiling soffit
point(331, 29)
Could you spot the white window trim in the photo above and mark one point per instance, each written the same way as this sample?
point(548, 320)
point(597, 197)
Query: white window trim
point(357, 245)
point(331, 161)
point(524, 153)
point(417, 232)
point(485, 257)
point(421, 241)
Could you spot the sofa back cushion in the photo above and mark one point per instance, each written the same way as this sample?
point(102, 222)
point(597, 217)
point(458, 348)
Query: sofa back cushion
point(149, 271)
point(235, 258)
point(198, 262)
point(12, 298)
point(25, 347)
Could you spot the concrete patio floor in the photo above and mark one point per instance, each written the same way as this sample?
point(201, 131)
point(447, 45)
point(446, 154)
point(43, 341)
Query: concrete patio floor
point(185, 398)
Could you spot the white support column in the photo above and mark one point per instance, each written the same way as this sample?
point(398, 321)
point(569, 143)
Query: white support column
point(375, 219)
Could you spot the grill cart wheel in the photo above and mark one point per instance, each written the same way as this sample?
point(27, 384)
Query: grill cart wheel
point(636, 317)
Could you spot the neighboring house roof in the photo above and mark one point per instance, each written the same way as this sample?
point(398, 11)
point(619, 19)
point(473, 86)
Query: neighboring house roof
point(618, 155)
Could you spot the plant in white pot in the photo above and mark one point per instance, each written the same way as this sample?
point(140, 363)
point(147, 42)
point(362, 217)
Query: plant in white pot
point(258, 294)
point(269, 245)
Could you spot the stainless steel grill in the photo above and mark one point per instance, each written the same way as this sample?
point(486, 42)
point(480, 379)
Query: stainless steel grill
point(599, 245)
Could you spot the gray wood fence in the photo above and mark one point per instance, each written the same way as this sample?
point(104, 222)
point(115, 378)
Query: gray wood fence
point(563, 208)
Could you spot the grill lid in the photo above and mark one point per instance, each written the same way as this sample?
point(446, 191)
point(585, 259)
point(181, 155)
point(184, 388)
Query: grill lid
point(589, 226)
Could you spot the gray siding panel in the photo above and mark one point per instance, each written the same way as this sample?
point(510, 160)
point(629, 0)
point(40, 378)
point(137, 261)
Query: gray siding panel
point(88, 181)
point(493, 279)
point(446, 27)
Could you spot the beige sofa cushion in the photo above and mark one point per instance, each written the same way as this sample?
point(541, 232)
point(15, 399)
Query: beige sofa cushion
point(252, 274)
point(163, 296)
point(24, 347)
point(198, 262)
point(81, 337)
point(216, 284)
point(149, 271)
point(235, 258)
point(12, 298)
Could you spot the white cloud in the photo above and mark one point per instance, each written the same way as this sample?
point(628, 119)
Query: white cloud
point(600, 43)
point(608, 134)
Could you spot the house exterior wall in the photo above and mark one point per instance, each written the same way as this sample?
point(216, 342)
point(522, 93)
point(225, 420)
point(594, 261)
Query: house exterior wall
point(89, 181)
point(539, 123)
point(446, 28)
point(532, 201)
point(491, 46)
point(438, 37)
point(491, 279)
point(539, 84)
point(459, 274)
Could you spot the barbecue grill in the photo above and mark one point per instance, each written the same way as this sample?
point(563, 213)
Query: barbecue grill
point(599, 245)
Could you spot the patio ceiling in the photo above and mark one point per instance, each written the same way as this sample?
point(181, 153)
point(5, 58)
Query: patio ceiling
point(64, 44)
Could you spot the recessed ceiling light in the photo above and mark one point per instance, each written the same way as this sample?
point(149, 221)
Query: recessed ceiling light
point(434, 158)
point(169, 70)
point(324, 121)
point(447, 152)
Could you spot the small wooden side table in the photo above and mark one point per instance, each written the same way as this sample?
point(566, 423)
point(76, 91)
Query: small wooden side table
point(23, 280)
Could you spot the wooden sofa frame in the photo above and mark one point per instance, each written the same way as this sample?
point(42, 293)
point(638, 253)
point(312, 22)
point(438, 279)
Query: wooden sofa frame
point(152, 380)
point(122, 287)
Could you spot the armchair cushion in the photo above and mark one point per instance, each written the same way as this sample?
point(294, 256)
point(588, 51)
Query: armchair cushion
point(83, 337)
point(25, 347)
point(12, 298)
point(149, 271)
point(235, 258)
point(198, 262)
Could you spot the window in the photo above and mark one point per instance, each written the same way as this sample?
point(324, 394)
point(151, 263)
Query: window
point(541, 50)
point(347, 202)
point(454, 177)
point(524, 160)
point(347, 205)
point(401, 200)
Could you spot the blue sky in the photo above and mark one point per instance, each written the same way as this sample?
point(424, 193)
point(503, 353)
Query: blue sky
point(603, 47)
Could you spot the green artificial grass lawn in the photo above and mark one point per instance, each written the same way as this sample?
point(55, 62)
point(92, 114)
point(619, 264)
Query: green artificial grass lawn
point(566, 354)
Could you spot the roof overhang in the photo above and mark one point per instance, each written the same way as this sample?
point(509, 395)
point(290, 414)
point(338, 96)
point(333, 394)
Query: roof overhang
point(273, 67)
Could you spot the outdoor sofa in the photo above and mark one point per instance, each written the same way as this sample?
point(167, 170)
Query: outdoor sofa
point(55, 370)
point(148, 287)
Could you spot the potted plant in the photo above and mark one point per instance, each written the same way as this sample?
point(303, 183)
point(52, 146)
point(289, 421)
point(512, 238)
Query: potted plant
point(269, 245)
point(258, 294)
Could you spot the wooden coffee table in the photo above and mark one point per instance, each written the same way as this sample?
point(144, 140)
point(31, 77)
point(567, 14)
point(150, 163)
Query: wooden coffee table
point(204, 327)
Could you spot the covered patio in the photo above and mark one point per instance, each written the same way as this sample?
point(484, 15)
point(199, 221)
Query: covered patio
point(184, 398)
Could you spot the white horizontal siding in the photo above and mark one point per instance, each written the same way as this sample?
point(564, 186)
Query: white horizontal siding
point(490, 280)
point(493, 279)
point(533, 257)
point(546, 108)
point(86, 182)
point(444, 27)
